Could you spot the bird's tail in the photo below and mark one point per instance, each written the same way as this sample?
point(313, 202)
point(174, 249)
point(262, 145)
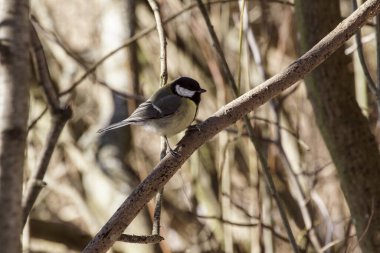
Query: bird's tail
point(114, 126)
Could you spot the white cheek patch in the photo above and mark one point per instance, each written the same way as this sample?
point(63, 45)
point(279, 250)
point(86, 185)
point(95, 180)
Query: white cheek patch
point(184, 92)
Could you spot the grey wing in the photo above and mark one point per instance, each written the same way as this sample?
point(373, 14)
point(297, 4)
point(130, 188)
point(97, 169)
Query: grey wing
point(154, 110)
point(148, 110)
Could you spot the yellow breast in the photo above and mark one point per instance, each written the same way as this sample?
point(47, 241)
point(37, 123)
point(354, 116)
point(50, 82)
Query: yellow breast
point(177, 122)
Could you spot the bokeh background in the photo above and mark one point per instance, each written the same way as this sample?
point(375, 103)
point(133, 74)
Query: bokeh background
point(218, 201)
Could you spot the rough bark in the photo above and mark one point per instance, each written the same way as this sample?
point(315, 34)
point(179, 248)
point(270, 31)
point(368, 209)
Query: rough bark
point(344, 129)
point(14, 105)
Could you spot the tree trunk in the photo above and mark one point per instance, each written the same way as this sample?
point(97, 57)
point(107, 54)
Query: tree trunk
point(344, 128)
point(14, 106)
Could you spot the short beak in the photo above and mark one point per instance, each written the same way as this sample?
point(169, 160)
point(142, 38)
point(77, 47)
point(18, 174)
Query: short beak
point(201, 90)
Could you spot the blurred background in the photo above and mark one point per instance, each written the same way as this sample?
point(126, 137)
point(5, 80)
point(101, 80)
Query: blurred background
point(218, 201)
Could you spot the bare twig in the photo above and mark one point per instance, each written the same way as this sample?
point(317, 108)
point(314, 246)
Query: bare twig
point(371, 84)
point(157, 213)
point(326, 248)
point(34, 122)
point(240, 224)
point(163, 43)
point(124, 95)
point(241, 32)
point(42, 71)
point(253, 45)
point(347, 236)
point(373, 87)
point(240, 207)
point(365, 39)
point(164, 79)
point(328, 242)
point(224, 117)
point(283, 128)
point(369, 222)
point(142, 239)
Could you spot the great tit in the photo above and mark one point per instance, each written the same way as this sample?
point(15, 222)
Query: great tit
point(170, 110)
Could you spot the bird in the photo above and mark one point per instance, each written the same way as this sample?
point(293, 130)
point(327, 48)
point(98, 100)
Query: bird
point(170, 110)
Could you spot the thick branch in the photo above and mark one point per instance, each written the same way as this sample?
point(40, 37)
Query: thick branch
point(224, 117)
point(14, 108)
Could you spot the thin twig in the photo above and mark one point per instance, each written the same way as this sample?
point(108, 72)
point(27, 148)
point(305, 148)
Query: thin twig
point(347, 235)
point(157, 213)
point(283, 128)
point(373, 87)
point(326, 248)
point(255, 142)
point(223, 118)
point(124, 95)
point(241, 224)
point(163, 43)
point(241, 32)
point(34, 122)
point(365, 39)
point(253, 45)
point(358, 38)
point(364, 232)
point(240, 207)
point(164, 79)
point(328, 242)
point(42, 70)
point(141, 239)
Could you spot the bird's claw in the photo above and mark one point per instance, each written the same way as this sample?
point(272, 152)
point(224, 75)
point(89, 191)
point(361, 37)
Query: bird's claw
point(193, 128)
point(174, 153)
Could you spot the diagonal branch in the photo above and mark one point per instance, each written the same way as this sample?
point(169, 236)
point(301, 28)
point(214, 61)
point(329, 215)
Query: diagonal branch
point(224, 117)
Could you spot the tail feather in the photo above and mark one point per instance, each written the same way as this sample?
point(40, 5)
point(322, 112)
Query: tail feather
point(114, 126)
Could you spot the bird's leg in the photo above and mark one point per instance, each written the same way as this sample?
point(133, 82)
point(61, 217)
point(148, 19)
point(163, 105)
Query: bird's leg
point(172, 151)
